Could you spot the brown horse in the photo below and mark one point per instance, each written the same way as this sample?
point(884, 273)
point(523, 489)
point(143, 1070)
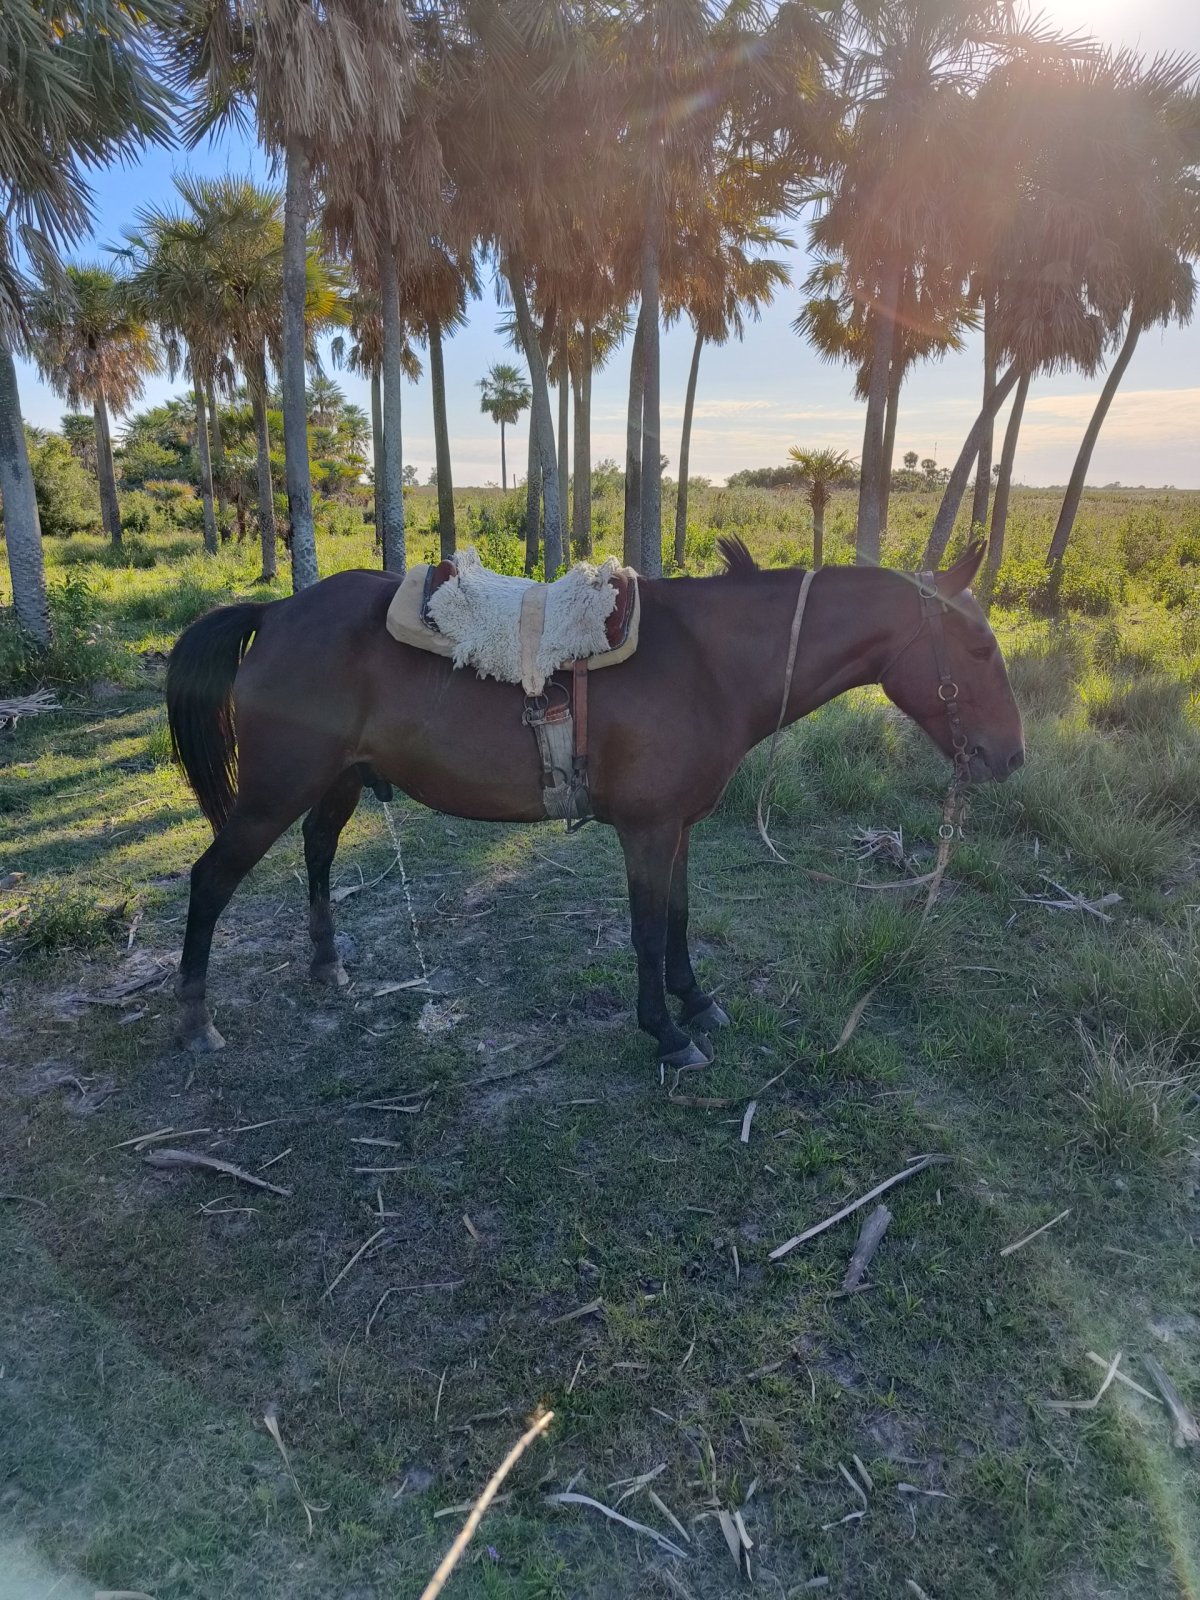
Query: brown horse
point(326, 701)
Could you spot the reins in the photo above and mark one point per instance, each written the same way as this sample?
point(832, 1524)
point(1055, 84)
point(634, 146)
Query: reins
point(933, 609)
point(793, 645)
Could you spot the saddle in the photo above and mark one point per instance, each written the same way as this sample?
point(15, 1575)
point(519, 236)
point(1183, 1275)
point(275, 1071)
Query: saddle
point(519, 631)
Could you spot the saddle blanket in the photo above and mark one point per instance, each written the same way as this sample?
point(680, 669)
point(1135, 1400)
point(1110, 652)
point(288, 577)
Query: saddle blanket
point(513, 629)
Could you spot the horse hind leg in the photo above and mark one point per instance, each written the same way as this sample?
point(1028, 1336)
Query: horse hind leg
point(322, 828)
point(698, 1009)
point(649, 856)
point(243, 841)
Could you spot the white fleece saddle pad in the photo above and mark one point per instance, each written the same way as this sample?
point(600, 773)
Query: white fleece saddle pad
point(513, 629)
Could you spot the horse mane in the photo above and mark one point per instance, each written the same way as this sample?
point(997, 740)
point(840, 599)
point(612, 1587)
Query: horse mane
point(739, 563)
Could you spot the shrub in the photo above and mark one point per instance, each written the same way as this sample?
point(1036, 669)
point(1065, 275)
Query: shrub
point(64, 918)
point(67, 497)
point(80, 652)
point(1078, 586)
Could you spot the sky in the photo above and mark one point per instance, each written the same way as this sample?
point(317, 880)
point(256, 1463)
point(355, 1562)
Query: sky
point(757, 398)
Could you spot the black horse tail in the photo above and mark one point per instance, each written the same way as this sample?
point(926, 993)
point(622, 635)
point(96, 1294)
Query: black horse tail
point(200, 678)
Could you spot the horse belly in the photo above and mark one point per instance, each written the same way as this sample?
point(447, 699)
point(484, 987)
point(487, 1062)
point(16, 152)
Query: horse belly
point(458, 746)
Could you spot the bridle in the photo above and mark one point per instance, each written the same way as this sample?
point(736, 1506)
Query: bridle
point(933, 615)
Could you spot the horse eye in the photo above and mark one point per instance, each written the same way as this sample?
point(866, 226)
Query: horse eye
point(981, 652)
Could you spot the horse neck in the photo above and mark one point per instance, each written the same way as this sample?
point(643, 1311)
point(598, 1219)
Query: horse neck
point(851, 621)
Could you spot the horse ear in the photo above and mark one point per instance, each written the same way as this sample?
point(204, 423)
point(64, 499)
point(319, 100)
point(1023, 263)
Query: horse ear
point(961, 575)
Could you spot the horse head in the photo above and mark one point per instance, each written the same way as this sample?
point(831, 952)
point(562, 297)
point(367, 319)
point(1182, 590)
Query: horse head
point(948, 675)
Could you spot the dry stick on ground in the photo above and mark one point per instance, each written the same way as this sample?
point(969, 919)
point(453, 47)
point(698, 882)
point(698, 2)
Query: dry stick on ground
point(191, 1158)
point(272, 1426)
point(869, 1240)
point(1090, 1405)
point(573, 1316)
point(1099, 1361)
point(519, 1072)
point(438, 1582)
point(856, 1205)
point(660, 1539)
point(1010, 1249)
point(25, 1199)
point(362, 1249)
point(1187, 1431)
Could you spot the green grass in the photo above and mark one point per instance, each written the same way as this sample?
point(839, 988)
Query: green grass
point(150, 1318)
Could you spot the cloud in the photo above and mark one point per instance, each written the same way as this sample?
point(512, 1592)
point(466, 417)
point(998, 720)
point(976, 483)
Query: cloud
point(1158, 417)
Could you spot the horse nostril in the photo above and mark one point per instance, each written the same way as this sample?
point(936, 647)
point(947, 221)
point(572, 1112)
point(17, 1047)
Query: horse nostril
point(1017, 759)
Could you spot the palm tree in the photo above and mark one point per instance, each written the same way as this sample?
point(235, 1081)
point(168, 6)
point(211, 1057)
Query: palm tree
point(910, 70)
point(821, 472)
point(840, 322)
point(92, 348)
point(726, 281)
point(1154, 111)
point(173, 282)
point(504, 394)
point(1057, 263)
point(322, 76)
point(243, 228)
point(78, 90)
point(694, 79)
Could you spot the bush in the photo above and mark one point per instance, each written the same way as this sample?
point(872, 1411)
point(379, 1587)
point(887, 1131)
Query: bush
point(143, 460)
point(1050, 591)
point(80, 651)
point(67, 497)
point(63, 918)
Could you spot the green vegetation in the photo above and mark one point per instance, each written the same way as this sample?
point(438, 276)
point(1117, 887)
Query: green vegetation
point(1050, 1054)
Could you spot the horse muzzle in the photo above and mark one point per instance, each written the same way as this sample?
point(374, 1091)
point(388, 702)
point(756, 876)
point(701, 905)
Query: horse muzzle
point(988, 766)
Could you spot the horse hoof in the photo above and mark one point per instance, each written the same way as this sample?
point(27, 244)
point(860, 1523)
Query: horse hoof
point(710, 1020)
point(331, 973)
point(202, 1041)
point(691, 1055)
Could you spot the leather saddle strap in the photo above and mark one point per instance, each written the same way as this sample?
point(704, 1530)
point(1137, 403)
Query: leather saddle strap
point(579, 675)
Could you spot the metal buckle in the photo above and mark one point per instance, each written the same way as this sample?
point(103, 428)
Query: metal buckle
point(942, 688)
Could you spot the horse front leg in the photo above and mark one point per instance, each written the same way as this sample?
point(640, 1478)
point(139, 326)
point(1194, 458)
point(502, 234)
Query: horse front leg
point(322, 828)
point(649, 860)
point(697, 1007)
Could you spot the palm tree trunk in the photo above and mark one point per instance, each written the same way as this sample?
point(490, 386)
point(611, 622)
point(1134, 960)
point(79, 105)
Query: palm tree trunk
point(441, 444)
point(633, 452)
point(533, 501)
point(581, 498)
point(895, 379)
point(564, 422)
point(110, 511)
point(651, 391)
point(1070, 505)
point(685, 452)
point(956, 488)
point(1008, 455)
point(870, 510)
point(206, 481)
point(503, 461)
point(266, 489)
point(22, 526)
point(983, 467)
point(295, 409)
point(394, 552)
point(818, 512)
point(377, 452)
point(541, 420)
point(218, 456)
